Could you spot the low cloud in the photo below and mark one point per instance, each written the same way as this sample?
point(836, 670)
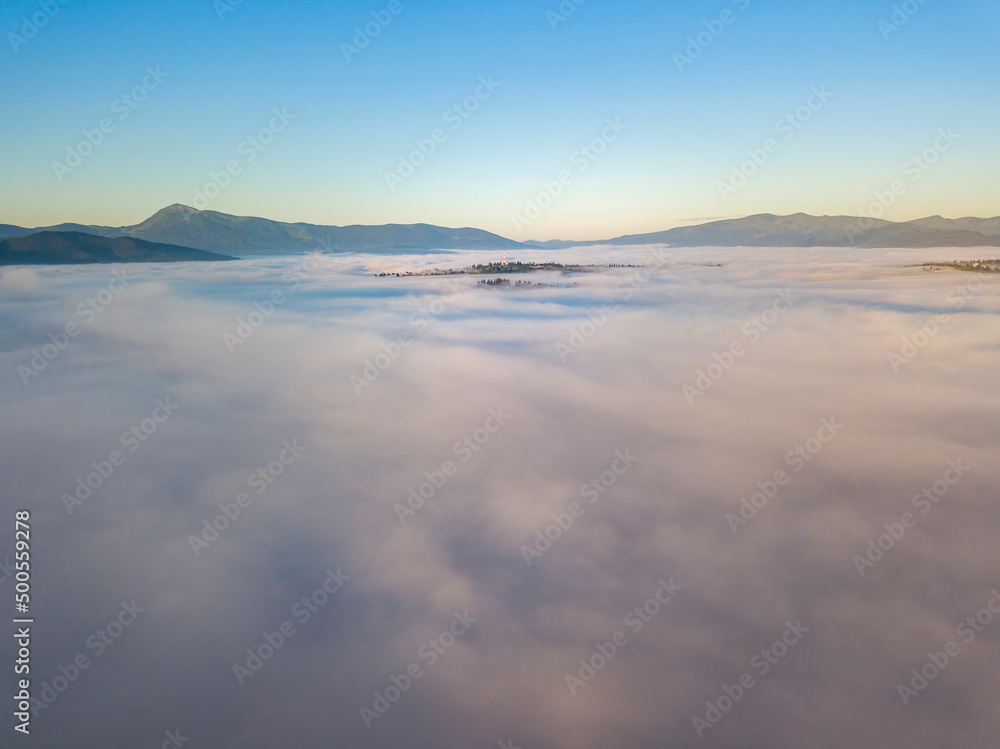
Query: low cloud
point(664, 518)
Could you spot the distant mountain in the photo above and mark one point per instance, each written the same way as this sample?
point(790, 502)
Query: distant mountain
point(762, 230)
point(246, 235)
point(988, 226)
point(241, 234)
point(803, 230)
point(73, 247)
point(183, 226)
point(910, 235)
point(9, 231)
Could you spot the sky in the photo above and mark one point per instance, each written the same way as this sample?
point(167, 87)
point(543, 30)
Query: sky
point(552, 386)
point(688, 111)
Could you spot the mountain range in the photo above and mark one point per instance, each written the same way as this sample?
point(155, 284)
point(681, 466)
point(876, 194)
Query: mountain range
point(803, 230)
point(247, 235)
point(74, 247)
point(183, 227)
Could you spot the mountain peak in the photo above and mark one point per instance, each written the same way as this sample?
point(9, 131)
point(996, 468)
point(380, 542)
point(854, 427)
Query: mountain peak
point(177, 209)
point(182, 225)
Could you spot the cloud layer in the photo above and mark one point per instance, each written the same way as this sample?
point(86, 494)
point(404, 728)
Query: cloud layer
point(618, 365)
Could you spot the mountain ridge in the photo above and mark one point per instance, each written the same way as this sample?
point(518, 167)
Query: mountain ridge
point(213, 231)
point(72, 248)
point(182, 226)
point(804, 230)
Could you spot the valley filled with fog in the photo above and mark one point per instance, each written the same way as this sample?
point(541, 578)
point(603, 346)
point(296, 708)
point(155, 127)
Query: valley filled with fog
point(726, 499)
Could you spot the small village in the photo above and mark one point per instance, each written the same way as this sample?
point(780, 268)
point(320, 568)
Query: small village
point(505, 266)
point(974, 266)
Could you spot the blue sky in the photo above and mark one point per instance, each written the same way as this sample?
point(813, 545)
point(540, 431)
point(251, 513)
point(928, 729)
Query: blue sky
point(355, 120)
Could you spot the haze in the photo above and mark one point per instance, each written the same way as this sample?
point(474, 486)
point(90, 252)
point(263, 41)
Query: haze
point(500, 370)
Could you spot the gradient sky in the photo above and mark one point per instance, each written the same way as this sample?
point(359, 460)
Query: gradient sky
point(354, 120)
